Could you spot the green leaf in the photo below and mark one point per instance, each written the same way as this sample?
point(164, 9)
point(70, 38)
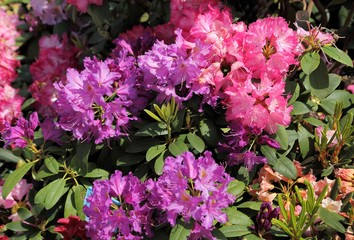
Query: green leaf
point(251, 205)
point(8, 156)
point(292, 88)
point(269, 153)
point(144, 17)
point(152, 115)
point(51, 193)
point(299, 108)
point(338, 55)
point(69, 208)
point(236, 217)
point(159, 163)
point(304, 140)
point(13, 178)
point(177, 148)
point(309, 62)
point(79, 196)
point(97, 173)
point(343, 96)
point(180, 231)
point(27, 103)
point(286, 167)
point(282, 137)
point(154, 151)
point(196, 142)
point(79, 161)
point(236, 188)
point(218, 234)
point(24, 213)
point(18, 226)
point(323, 87)
point(208, 131)
point(314, 121)
point(142, 144)
point(52, 164)
point(235, 230)
point(152, 130)
point(251, 237)
point(332, 219)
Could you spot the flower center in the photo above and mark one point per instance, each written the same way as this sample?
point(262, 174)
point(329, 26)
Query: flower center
point(268, 49)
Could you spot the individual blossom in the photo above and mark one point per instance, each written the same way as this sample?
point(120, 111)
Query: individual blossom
point(346, 175)
point(10, 105)
point(329, 136)
point(71, 227)
point(55, 56)
point(8, 55)
point(16, 199)
point(50, 12)
point(192, 189)
point(118, 208)
point(82, 5)
point(51, 132)
point(248, 158)
point(22, 134)
point(271, 47)
point(93, 103)
point(314, 38)
point(331, 205)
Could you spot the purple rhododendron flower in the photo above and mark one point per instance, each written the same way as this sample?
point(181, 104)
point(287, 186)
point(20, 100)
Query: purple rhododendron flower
point(118, 208)
point(94, 103)
point(22, 133)
point(193, 189)
point(248, 158)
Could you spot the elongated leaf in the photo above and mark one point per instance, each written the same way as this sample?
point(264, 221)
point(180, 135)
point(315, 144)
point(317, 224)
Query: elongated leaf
point(79, 161)
point(51, 193)
point(292, 88)
point(196, 142)
point(14, 178)
point(269, 153)
point(304, 140)
point(79, 196)
point(24, 213)
point(338, 55)
point(52, 164)
point(285, 167)
point(69, 208)
point(282, 137)
point(159, 163)
point(331, 219)
point(236, 217)
point(154, 151)
point(299, 108)
point(152, 130)
point(177, 148)
point(208, 131)
point(18, 226)
point(309, 62)
point(142, 144)
point(97, 173)
point(181, 231)
point(8, 156)
point(236, 188)
point(235, 230)
point(251, 205)
point(153, 115)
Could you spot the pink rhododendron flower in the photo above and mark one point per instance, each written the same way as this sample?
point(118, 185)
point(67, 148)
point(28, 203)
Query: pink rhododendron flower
point(314, 38)
point(351, 88)
point(82, 5)
point(55, 56)
point(271, 47)
point(8, 55)
point(50, 12)
point(10, 105)
point(17, 198)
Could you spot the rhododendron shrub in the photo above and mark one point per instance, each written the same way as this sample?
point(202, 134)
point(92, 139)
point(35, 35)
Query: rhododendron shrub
point(176, 120)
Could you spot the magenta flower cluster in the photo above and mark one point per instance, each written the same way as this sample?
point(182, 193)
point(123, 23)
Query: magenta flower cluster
point(190, 188)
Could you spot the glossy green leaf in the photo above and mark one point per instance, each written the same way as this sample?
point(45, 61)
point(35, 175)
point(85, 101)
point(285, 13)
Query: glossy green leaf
point(285, 167)
point(152, 115)
point(293, 89)
point(14, 177)
point(299, 108)
point(24, 213)
point(8, 156)
point(159, 163)
point(79, 196)
point(343, 96)
point(304, 140)
point(251, 205)
point(97, 173)
point(282, 137)
point(18, 226)
point(235, 230)
point(152, 130)
point(321, 88)
point(79, 162)
point(309, 62)
point(236, 217)
point(196, 142)
point(269, 153)
point(208, 131)
point(52, 164)
point(69, 208)
point(338, 55)
point(236, 188)
point(177, 148)
point(180, 231)
point(331, 219)
point(154, 151)
point(51, 193)
point(129, 159)
point(142, 144)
